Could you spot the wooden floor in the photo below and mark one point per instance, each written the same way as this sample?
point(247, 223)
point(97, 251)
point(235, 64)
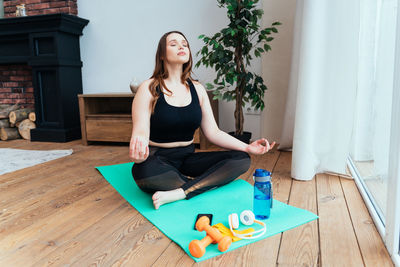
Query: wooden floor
point(63, 213)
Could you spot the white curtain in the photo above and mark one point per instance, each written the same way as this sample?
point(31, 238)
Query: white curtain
point(385, 46)
point(371, 131)
point(323, 84)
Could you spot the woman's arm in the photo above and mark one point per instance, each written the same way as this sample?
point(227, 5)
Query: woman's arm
point(221, 138)
point(141, 111)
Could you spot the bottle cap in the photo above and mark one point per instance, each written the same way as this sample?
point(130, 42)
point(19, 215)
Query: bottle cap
point(261, 175)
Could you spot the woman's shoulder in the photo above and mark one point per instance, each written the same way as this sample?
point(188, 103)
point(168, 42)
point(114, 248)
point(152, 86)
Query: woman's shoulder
point(144, 87)
point(198, 85)
point(201, 91)
point(146, 83)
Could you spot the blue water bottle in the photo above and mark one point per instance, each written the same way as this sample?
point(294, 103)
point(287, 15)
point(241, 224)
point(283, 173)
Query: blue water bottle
point(262, 194)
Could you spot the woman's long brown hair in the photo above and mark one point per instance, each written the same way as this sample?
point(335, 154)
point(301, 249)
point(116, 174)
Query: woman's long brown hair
point(160, 72)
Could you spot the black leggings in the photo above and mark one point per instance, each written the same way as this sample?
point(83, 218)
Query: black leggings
point(171, 168)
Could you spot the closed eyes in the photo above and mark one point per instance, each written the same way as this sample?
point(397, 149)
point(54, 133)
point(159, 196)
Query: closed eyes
point(173, 43)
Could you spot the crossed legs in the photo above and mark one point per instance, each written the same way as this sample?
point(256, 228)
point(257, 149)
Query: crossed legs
point(186, 174)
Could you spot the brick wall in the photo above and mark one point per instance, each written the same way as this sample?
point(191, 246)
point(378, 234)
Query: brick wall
point(16, 85)
point(38, 7)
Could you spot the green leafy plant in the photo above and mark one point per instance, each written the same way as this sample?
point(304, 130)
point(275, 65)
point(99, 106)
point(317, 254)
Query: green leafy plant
point(230, 52)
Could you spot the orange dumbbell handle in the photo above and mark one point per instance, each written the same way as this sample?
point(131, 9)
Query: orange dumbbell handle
point(203, 224)
point(198, 247)
point(214, 233)
point(207, 240)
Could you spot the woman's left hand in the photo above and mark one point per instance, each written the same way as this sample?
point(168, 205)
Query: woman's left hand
point(259, 147)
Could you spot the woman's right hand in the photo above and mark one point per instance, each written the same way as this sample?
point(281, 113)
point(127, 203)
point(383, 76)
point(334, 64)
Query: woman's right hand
point(138, 149)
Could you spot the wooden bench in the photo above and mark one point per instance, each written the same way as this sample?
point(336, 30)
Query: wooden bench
point(107, 117)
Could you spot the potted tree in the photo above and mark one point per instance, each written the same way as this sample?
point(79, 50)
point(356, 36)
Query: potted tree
point(230, 52)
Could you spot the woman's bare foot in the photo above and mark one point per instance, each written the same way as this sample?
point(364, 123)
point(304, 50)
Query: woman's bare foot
point(164, 197)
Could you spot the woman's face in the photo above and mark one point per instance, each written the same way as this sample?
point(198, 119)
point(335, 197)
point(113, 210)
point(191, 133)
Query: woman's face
point(177, 50)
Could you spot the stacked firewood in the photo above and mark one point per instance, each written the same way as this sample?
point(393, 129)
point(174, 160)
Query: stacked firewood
point(16, 122)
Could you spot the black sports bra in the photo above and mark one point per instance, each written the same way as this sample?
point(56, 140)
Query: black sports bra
point(175, 124)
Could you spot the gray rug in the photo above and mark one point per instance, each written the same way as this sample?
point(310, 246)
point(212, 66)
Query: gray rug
point(16, 159)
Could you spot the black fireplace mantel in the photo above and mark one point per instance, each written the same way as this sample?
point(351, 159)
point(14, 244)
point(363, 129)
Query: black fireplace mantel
point(50, 45)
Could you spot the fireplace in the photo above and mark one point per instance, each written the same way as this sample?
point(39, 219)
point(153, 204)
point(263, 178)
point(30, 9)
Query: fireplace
point(49, 46)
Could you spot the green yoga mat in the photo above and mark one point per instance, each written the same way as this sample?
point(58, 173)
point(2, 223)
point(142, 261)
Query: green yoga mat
point(176, 220)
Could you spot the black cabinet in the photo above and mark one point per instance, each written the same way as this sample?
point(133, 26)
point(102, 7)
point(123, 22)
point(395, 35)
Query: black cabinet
point(50, 44)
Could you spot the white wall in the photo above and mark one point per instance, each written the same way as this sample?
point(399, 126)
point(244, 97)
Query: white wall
point(276, 66)
point(120, 42)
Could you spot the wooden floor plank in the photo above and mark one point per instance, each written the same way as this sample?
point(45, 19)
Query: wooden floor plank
point(49, 188)
point(62, 188)
point(338, 243)
point(49, 184)
point(174, 256)
point(63, 225)
point(371, 245)
point(100, 155)
point(79, 245)
point(38, 210)
point(55, 235)
point(146, 250)
point(115, 245)
point(39, 170)
point(299, 246)
point(26, 144)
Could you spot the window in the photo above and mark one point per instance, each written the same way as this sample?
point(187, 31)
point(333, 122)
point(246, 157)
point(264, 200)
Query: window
point(374, 159)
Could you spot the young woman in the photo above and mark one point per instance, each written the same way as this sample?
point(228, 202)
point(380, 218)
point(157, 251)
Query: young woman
point(166, 111)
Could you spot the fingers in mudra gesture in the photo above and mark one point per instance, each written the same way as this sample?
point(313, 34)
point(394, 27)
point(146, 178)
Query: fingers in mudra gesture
point(260, 146)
